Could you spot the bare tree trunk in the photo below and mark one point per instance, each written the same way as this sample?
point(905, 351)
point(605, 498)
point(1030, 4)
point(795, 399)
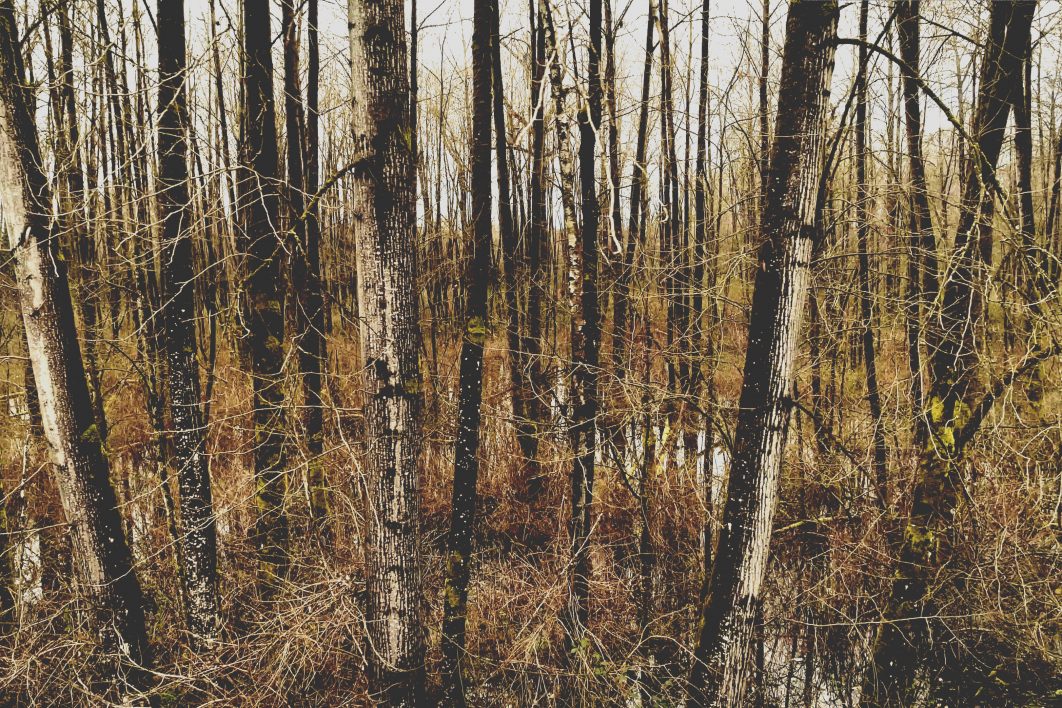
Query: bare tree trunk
point(313, 345)
point(261, 244)
point(197, 541)
point(922, 243)
point(466, 463)
point(102, 556)
point(865, 293)
point(721, 669)
point(635, 232)
point(586, 342)
point(383, 212)
point(515, 275)
point(538, 254)
point(702, 232)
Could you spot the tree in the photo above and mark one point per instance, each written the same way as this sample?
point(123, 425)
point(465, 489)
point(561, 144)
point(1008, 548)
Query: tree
point(720, 672)
point(103, 561)
point(263, 249)
point(865, 293)
point(198, 537)
point(954, 389)
point(922, 243)
point(466, 463)
point(302, 147)
point(314, 347)
point(586, 342)
point(383, 213)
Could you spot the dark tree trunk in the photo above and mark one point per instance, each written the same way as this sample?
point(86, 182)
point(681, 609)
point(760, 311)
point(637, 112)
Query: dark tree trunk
point(515, 275)
point(538, 255)
point(865, 293)
point(621, 330)
point(922, 243)
point(721, 670)
point(197, 534)
point(466, 463)
point(263, 250)
point(586, 342)
point(954, 387)
point(313, 348)
point(702, 232)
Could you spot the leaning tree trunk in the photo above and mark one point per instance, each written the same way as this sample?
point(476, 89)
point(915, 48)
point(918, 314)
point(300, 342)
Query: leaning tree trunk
point(466, 449)
point(720, 672)
point(383, 213)
point(954, 387)
point(102, 557)
point(197, 535)
point(263, 250)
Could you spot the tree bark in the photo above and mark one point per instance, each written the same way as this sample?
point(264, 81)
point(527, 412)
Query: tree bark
point(923, 284)
point(383, 216)
point(313, 346)
point(721, 669)
point(586, 342)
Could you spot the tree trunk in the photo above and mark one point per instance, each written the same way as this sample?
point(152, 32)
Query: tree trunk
point(702, 232)
point(721, 669)
point(197, 537)
point(466, 463)
point(621, 330)
point(586, 342)
point(313, 346)
point(263, 250)
point(514, 275)
point(102, 556)
point(954, 386)
point(383, 215)
point(865, 293)
point(922, 243)
point(538, 254)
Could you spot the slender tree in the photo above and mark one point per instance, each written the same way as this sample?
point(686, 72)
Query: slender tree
point(263, 249)
point(537, 248)
point(923, 283)
point(702, 231)
point(383, 210)
point(198, 537)
point(721, 668)
point(635, 225)
point(313, 352)
point(586, 341)
point(863, 241)
point(466, 462)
